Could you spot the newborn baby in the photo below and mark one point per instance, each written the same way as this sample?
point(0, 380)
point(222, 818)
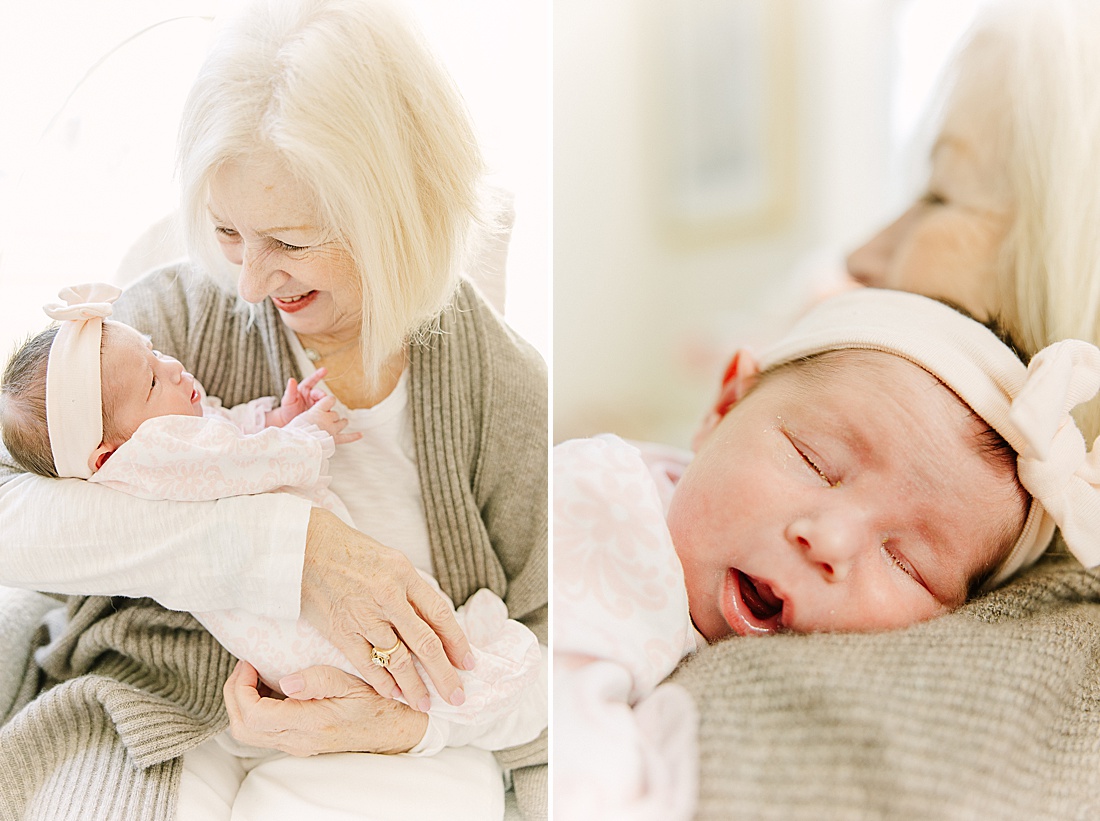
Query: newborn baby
point(863, 476)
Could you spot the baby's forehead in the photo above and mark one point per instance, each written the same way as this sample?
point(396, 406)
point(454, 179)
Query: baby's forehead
point(119, 334)
point(909, 396)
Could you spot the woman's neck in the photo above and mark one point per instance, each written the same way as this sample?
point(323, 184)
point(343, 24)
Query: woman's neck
point(346, 378)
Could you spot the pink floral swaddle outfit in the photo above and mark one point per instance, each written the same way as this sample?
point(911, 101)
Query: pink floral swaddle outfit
point(228, 452)
point(625, 744)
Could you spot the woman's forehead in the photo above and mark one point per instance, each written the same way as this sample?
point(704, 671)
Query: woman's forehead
point(262, 187)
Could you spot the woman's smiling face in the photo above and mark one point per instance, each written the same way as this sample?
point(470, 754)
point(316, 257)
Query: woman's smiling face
point(854, 499)
point(266, 221)
point(948, 244)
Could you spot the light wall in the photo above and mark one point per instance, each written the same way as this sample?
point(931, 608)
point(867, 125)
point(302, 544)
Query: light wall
point(644, 317)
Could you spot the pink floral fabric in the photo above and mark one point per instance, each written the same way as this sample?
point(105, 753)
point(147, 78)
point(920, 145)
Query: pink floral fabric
point(625, 744)
point(197, 459)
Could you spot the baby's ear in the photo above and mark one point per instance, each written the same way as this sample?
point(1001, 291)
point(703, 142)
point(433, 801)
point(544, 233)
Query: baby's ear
point(100, 456)
point(740, 375)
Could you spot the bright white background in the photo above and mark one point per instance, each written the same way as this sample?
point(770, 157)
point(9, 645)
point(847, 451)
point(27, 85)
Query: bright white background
point(87, 136)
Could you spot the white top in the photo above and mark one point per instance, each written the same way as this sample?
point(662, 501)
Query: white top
point(377, 477)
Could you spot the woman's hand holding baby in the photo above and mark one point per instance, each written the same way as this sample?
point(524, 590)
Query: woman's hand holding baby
point(331, 712)
point(362, 595)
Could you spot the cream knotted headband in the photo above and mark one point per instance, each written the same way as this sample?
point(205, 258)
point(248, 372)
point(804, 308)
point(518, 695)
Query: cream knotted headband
point(1028, 406)
point(74, 399)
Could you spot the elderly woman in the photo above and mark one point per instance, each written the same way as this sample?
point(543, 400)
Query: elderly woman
point(989, 712)
point(329, 158)
point(1006, 226)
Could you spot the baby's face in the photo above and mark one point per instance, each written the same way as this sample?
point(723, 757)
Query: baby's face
point(853, 500)
point(140, 383)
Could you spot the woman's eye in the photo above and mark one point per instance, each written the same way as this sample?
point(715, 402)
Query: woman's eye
point(228, 233)
point(286, 246)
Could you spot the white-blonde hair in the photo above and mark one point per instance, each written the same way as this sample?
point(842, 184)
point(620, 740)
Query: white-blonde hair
point(1036, 67)
point(358, 109)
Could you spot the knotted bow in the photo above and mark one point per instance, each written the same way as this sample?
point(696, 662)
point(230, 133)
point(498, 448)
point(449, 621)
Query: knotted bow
point(74, 399)
point(1054, 466)
point(90, 301)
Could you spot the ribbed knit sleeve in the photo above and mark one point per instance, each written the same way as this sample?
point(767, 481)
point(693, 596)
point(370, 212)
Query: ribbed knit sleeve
point(139, 685)
point(479, 400)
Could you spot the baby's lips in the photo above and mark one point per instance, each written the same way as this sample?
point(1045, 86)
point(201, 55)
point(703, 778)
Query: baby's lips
point(757, 605)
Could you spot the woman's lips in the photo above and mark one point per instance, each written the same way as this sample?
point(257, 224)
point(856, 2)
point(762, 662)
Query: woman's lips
point(750, 606)
point(290, 305)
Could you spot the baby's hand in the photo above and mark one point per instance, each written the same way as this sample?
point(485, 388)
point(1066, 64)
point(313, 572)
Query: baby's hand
point(323, 416)
point(297, 399)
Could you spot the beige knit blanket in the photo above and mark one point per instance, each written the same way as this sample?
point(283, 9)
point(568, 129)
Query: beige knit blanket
point(989, 713)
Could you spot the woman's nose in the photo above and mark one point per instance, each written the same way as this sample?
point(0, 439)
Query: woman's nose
point(256, 280)
point(832, 541)
point(869, 264)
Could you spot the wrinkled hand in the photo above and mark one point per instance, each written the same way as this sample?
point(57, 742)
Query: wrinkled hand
point(330, 421)
point(332, 712)
point(360, 594)
point(297, 398)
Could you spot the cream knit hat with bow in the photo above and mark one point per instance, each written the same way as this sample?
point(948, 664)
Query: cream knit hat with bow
point(1028, 406)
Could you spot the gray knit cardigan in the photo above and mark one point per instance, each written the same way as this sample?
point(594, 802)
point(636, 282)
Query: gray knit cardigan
point(125, 687)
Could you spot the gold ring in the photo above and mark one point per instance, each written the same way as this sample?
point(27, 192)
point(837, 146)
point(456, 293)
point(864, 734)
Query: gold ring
point(382, 657)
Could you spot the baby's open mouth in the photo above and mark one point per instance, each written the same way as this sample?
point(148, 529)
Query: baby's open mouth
point(750, 606)
point(759, 598)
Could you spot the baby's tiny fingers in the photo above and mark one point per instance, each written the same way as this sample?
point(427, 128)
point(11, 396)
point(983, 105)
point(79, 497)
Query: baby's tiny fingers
point(291, 392)
point(345, 438)
point(308, 383)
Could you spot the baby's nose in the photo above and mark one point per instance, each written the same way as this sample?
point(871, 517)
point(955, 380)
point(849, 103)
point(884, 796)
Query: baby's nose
point(832, 541)
point(173, 367)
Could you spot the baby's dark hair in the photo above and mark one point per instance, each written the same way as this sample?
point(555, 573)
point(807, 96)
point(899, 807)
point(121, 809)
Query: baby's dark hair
point(996, 325)
point(23, 423)
point(23, 405)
